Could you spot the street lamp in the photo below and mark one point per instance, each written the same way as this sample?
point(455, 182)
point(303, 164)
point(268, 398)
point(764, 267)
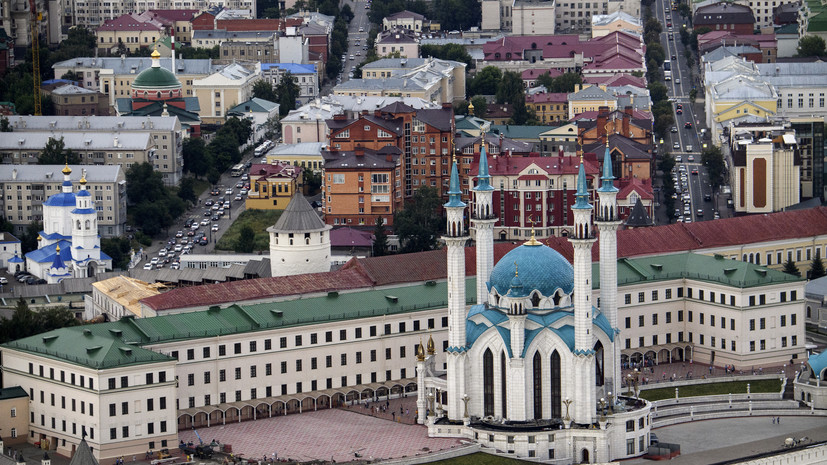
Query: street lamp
point(465, 399)
point(567, 402)
point(602, 409)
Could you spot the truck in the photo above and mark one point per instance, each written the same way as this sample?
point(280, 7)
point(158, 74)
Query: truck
point(202, 451)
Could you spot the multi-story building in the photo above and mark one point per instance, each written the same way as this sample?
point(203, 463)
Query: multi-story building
point(725, 16)
point(409, 20)
point(113, 76)
point(441, 81)
point(531, 17)
point(766, 168)
point(130, 31)
point(164, 140)
point(361, 185)
point(424, 137)
point(14, 413)
point(118, 297)
point(273, 185)
point(618, 21)
point(369, 338)
point(535, 194)
point(304, 75)
point(223, 90)
point(308, 155)
point(26, 187)
point(400, 41)
point(550, 107)
point(71, 100)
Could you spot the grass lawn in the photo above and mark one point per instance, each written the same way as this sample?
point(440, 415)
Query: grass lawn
point(695, 390)
point(259, 220)
point(481, 458)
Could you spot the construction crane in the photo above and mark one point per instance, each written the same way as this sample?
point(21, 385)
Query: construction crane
point(35, 20)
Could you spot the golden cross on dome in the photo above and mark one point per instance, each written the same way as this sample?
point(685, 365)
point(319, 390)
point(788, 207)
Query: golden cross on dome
point(607, 132)
point(533, 240)
point(454, 149)
point(516, 270)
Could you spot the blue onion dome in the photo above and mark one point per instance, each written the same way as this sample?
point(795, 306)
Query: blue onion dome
point(541, 268)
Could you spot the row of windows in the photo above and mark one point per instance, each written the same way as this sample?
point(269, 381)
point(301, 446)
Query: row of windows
point(73, 403)
point(254, 393)
point(713, 341)
point(299, 340)
point(150, 429)
point(63, 426)
point(150, 406)
point(149, 377)
point(74, 380)
point(710, 296)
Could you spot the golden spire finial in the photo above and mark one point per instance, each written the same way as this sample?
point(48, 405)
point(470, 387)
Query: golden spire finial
point(471, 108)
point(533, 240)
point(66, 170)
point(516, 270)
point(431, 350)
point(420, 352)
point(57, 249)
point(607, 133)
point(39, 238)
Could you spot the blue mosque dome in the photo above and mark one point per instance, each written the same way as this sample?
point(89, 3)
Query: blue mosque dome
point(540, 267)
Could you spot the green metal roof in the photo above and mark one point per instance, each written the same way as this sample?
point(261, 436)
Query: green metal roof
point(156, 77)
point(709, 268)
point(121, 342)
point(513, 131)
point(13, 392)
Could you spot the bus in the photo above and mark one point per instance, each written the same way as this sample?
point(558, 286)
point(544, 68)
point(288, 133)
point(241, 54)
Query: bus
point(667, 70)
point(238, 170)
point(264, 148)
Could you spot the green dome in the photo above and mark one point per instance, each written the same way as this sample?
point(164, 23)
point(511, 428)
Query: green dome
point(156, 78)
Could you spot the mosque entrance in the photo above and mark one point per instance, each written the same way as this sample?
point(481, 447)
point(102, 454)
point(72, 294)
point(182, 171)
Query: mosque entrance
point(585, 456)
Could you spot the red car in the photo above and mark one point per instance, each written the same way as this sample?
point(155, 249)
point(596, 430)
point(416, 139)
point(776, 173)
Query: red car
point(688, 125)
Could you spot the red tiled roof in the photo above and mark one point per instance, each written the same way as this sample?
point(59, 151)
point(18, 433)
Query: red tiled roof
point(129, 23)
point(511, 166)
point(548, 97)
point(254, 289)
point(642, 188)
point(250, 24)
point(349, 237)
point(425, 266)
point(534, 73)
point(175, 15)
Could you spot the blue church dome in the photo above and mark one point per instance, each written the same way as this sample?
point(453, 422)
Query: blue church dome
point(540, 268)
point(63, 199)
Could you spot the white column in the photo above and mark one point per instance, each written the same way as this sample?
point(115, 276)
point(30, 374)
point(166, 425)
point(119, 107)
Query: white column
point(608, 296)
point(456, 324)
point(485, 255)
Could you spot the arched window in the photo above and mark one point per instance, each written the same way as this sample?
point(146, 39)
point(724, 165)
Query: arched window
point(535, 299)
point(488, 383)
point(503, 390)
point(86, 225)
point(538, 386)
point(556, 411)
point(78, 224)
point(598, 364)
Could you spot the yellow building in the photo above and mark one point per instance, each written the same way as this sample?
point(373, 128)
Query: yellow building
point(549, 107)
point(14, 415)
point(223, 90)
point(130, 31)
point(734, 93)
point(272, 186)
point(590, 98)
point(308, 155)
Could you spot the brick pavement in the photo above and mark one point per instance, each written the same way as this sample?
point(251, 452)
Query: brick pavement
point(336, 434)
point(663, 372)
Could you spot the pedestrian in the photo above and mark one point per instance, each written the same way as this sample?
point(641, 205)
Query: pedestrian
point(400, 410)
point(773, 420)
point(779, 420)
point(393, 415)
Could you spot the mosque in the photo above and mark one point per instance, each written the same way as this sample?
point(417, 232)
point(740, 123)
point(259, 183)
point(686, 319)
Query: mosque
point(534, 368)
point(69, 245)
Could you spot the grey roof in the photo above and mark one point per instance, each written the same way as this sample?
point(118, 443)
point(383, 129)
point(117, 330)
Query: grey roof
point(83, 455)
point(91, 123)
point(638, 216)
point(378, 84)
point(302, 148)
point(816, 289)
point(298, 216)
point(126, 65)
point(78, 141)
point(591, 93)
point(70, 89)
point(599, 20)
point(729, 50)
point(40, 173)
point(325, 107)
point(395, 63)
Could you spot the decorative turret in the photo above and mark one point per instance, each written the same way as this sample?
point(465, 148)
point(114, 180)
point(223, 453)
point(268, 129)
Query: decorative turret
point(484, 219)
point(608, 223)
point(431, 349)
point(455, 239)
point(85, 239)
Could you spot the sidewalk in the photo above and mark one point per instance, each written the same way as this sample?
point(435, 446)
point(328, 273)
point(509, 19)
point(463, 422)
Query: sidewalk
point(664, 372)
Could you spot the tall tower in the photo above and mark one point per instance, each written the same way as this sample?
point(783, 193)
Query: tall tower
point(582, 240)
point(455, 238)
point(85, 241)
point(484, 219)
point(607, 224)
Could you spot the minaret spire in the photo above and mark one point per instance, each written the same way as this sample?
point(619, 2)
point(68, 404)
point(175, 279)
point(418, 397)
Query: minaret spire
point(455, 239)
point(484, 220)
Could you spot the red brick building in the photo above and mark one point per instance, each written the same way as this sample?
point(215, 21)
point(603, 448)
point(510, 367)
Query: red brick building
point(536, 193)
point(725, 16)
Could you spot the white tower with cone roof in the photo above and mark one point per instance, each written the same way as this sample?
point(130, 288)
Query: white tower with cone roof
point(299, 241)
point(483, 218)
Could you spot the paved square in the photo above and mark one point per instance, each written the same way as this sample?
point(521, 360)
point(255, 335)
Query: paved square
point(326, 434)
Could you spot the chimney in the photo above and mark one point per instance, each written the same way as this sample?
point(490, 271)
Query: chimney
point(359, 151)
point(602, 116)
point(389, 158)
point(447, 106)
point(364, 113)
point(377, 113)
point(340, 117)
point(627, 117)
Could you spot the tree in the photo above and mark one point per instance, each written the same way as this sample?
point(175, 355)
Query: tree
point(55, 153)
point(790, 268)
point(151, 204)
point(480, 105)
point(713, 159)
point(312, 181)
point(685, 11)
point(347, 13)
point(29, 240)
point(264, 89)
point(461, 107)
point(76, 76)
point(118, 248)
point(194, 154)
point(520, 114)
point(453, 52)
point(186, 190)
point(380, 238)
point(817, 268)
point(239, 129)
point(25, 322)
point(562, 83)
point(288, 93)
point(485, 82)
point(5, 126)
point(510, 88)
point(246, 240)
point(418, 225)
point(693, 94)
point(456, 14)
point(657, 92)
point(811, 46)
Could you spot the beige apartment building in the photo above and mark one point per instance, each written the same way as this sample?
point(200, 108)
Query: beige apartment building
point(223, 90)
point(26, 187)
point(165, 139)
point(14, 415)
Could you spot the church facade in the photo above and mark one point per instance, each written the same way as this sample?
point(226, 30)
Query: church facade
point(69, 245)
point(534, 367)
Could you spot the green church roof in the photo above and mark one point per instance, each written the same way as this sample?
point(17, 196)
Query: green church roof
point(156, 77)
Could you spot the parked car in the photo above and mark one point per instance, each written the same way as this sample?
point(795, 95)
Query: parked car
point(147, 266)
point(214, 227)
point(3, 280)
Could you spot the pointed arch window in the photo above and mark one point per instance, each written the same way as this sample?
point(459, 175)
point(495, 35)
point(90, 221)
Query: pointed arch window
point(537, 381)
point(535, 299)
point(503, 390)
point(488, 383)
point(598, 364)
point(555, 386)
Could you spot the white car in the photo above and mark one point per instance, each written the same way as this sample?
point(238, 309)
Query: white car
point(229, 191)
point(162, 253)
point(179, 247)
point(154, 260)
point(214, 227)
point(243, 192)
point(175, 266)
point(205, 222)
point(148, 266)
point(3, 280)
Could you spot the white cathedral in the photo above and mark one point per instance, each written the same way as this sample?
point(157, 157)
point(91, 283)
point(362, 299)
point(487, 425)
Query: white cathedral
point(533, 368)
point(69, 245)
